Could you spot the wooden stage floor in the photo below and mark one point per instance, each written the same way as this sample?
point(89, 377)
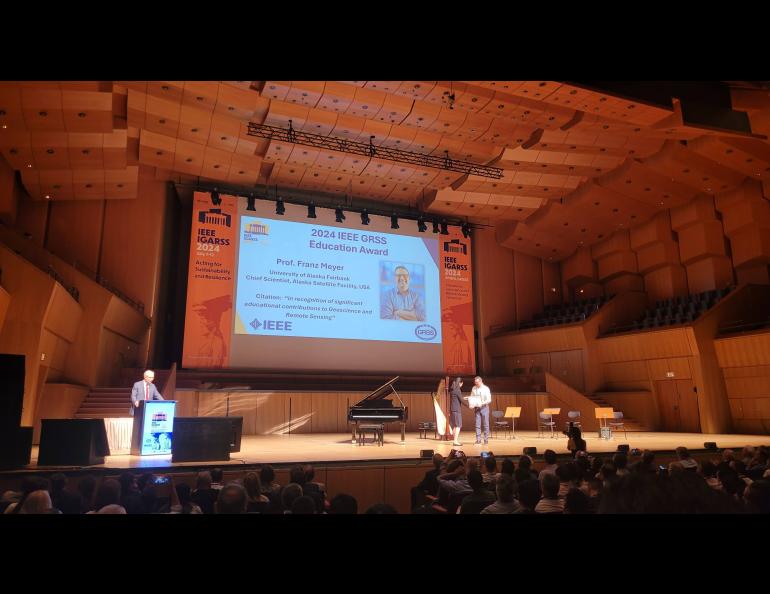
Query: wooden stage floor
point(336, 448)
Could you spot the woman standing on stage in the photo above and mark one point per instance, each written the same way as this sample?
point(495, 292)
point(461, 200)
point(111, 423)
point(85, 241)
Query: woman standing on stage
point(455, 409)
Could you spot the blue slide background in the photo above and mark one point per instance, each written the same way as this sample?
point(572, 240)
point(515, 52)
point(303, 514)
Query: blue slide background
point(269, 265)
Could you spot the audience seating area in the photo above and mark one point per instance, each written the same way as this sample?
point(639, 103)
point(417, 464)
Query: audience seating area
point(565, 313)
point(677, 310)
point(638, 482)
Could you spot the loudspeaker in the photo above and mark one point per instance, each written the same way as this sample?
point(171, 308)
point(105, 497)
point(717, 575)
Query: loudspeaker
point(72, 442)
point(624, 447)
point(530, 451)
point(710, 445)
point(426, 453)
point(201, 439)
point(11, 389)
point(15, 447)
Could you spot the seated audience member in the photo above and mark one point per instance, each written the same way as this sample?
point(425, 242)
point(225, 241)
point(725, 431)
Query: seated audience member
point(315, 490)
point(303, 505)
point(381, 508)
point(297, 475)
point(231, 500)
point(550, 464)
point(489, 476)
point(86, 489)
point(646, 465)
point(479, 498)
point(270, 488)
point(429, 484)
point(747, 455)
point(204, 496)
point(107, 499)
point(62, 498)
point(343, 504)
point(508, 467)
point(454, 481)
point(38, 502)
point(181, 500)
point(29, 484)
point(685, 459)
point(566, 473)
point(608, 474)
point(525, 471)
point(596, 466)
point(620, 462)
point(577, 502)
point(594, 492)
point(288, 494)
point(529, 496)
point(709, 472)
point(505, 490)
point(675, 467)
point(728, 455)
point(216, 479)
point(550, 503)
point(131, 497)
point(758, 497)
point(758, 465)
point(256, 501)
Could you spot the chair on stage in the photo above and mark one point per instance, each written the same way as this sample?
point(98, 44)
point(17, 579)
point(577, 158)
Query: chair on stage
point(498, 423)
point(513, 413)
point(573, 417)
point(618, 423)
point(546, 420)
point(603, 414)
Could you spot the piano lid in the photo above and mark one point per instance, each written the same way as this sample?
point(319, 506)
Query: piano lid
point(380, 393)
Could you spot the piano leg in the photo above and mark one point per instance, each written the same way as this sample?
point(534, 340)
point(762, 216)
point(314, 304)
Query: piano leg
point(403, 429)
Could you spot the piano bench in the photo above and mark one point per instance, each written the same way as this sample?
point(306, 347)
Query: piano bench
point(426, 426)
point(376, 429)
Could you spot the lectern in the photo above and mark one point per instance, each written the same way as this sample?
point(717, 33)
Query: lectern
point(153, 427)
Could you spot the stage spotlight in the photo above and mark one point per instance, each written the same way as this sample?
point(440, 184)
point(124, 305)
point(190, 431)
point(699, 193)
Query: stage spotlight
point(339, 216)
point(444, 229)
point(279, 207)
point(250, 202)
point(311, 211)
point(393, 222)
point(365, 218)
point(421, 226)
point(215, 199)
point(466, 230)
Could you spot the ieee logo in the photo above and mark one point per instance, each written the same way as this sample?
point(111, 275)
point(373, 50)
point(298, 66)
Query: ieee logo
point(214, 216)
point(271, 325)
point(425, 332)
point(455, 247)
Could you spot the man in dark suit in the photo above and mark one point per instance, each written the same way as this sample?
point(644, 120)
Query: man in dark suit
point(144, 390)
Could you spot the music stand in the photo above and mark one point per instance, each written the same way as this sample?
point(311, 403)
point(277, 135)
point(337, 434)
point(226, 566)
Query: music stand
point(513, 413)
point(602, 414)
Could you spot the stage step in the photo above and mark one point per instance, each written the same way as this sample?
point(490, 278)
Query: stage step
point(105, 402)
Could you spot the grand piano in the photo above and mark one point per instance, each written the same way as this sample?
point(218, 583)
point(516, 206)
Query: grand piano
point(374, 408)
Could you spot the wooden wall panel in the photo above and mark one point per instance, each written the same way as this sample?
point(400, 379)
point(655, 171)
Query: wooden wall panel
point(367, 485)
point(324, 407)
point(75, 232)
point(739, 351)
point(568, 367)
point(528, 274)
point(396, 486)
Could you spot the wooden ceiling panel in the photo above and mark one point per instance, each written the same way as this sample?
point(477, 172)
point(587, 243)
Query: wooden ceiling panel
point(306, 93)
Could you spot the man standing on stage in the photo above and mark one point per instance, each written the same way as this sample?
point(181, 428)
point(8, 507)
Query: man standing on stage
point(479, 401)
point(144, 390)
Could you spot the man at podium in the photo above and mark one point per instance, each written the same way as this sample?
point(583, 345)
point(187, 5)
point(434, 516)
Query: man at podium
point(144, 390)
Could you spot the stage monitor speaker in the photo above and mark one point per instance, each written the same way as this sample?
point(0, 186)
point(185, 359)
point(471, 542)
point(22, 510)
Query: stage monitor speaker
point(72, 442)
point(236, 424)
point(710, 445)
point(426, 454)
point(201, 439)
point(15, 447)
point(530, 451)
point(624, 447)
point(11, 389)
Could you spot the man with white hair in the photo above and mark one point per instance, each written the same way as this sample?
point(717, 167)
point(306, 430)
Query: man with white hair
point(144, 390)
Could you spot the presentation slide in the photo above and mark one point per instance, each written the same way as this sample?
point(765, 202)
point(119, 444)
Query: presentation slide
point(290, 293)
point(310, 280)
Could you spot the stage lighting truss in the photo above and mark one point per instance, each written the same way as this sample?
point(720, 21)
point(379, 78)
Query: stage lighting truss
point(370, 150)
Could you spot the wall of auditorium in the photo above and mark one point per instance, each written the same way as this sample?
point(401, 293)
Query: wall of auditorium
point(509, 287)
point(708, 243)
point(745, 364)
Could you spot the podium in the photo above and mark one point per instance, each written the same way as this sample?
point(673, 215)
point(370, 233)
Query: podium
point(72, 442)
point(153, 427)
